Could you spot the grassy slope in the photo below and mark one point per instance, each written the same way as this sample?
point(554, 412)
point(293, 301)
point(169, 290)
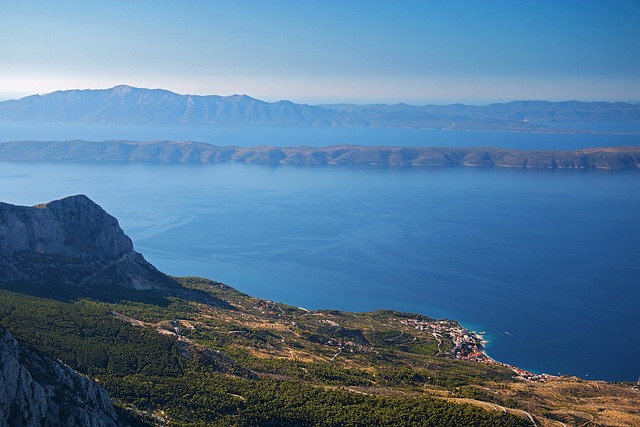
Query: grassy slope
point(261, 363)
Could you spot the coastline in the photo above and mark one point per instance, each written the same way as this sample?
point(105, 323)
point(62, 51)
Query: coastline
point(612, 157)
point(521, 373)
point(468, 345)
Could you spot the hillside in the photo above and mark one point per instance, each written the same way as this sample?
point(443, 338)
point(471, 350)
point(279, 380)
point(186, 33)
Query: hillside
point(129, 105)
point(170, 151)
point(232, 359)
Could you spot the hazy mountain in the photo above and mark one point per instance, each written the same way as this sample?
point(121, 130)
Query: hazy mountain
point(170, 151)
point(125, 104)
point(516, 111)
point(129, 105)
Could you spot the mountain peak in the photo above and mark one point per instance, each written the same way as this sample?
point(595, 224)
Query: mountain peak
point(122, 90)
point(242, 98)
point(78, 201)
point(71, 241)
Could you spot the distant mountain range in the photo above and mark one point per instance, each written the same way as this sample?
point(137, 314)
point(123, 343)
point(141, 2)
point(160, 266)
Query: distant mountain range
point(130, 105)
point(198, 152)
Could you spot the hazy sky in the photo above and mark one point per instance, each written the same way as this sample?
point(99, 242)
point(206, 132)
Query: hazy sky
point(425, 51)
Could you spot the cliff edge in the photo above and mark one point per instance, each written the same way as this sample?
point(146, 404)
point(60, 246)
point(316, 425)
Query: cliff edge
point(71, 241)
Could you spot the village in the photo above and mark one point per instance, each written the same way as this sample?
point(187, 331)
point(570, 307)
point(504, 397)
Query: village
point(468, 345)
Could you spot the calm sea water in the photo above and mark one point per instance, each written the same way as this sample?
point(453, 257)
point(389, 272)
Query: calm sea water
point(622, 135)
point(546, 262)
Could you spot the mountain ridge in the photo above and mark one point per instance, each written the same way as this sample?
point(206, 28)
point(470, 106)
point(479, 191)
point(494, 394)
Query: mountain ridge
point(130, 105)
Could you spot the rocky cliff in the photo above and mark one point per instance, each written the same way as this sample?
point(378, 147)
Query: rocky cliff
point(71, 241)
point(38, 391)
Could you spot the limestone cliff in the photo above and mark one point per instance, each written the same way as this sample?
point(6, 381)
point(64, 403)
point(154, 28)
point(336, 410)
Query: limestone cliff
point(71, 241)
point(38, 391)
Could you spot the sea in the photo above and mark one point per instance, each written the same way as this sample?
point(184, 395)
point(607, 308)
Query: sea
point(545, 262)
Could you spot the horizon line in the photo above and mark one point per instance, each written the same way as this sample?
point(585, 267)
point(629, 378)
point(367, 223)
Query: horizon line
point(9, 96)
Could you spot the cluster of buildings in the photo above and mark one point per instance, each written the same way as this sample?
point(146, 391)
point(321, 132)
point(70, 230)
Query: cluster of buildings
point(467, 345)
point(346, 345)
point(269, 307)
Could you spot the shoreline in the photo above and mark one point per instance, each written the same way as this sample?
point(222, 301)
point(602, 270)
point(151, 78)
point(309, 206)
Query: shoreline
point(521, 373)
point(176, 152)
point(468, 345)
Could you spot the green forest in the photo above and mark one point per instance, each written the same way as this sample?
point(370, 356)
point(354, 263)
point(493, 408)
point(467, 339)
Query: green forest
point(216, 373)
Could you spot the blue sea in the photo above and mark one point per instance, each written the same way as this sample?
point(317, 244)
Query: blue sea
point(617, 134)
point(546, 262)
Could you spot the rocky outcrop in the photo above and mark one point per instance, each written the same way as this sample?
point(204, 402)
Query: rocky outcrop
point(38, 391)
point(71, 241)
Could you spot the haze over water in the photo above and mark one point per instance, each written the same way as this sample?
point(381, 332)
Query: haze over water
point(545, 261)
point(618, 135)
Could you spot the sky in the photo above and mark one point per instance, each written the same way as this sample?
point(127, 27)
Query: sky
point(418, 52)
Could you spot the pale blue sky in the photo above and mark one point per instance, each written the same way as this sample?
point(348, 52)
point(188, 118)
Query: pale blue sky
point(327, 51)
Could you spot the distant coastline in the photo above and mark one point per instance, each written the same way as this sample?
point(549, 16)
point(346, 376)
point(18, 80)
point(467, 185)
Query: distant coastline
point(198, 152)
point(139, 106)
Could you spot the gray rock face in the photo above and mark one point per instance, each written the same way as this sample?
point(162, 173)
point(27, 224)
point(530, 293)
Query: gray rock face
point(70, 241)
point(38, 391)
point(72, 227)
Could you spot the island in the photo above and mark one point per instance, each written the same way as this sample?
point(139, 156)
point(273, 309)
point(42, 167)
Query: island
point(199, 152)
